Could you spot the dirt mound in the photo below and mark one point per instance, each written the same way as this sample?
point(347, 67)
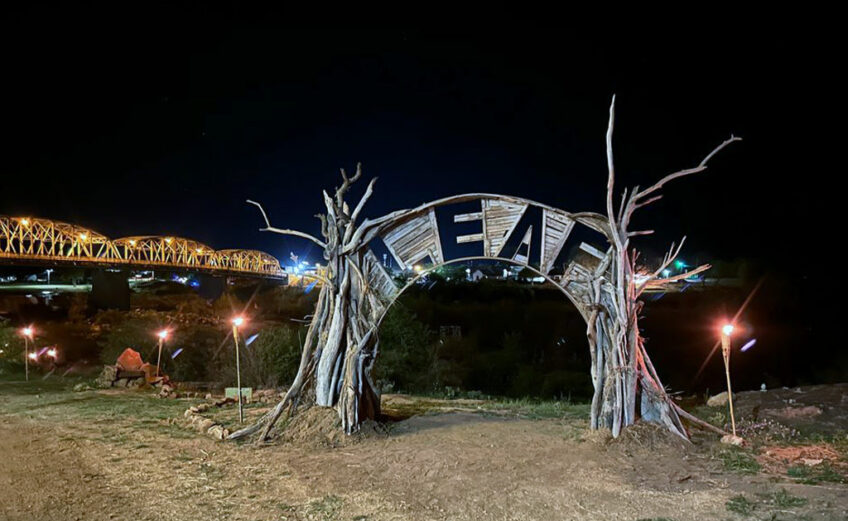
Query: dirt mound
point(321, 426)
point(647, 436)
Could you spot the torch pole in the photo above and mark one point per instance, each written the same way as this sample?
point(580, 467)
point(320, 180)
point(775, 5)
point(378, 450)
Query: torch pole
point(725, 351)
point(26, 357)
point(238, 373)
point(159, 358)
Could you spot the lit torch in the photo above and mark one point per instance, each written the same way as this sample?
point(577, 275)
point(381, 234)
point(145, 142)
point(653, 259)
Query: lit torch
point(726, 331)
point(237, 323)
point(162, 336)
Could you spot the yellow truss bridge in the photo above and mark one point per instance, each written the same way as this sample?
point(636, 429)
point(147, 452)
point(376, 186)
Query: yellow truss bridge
point(27, 239)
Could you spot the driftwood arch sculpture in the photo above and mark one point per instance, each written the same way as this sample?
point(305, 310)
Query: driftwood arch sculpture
point(341, 344)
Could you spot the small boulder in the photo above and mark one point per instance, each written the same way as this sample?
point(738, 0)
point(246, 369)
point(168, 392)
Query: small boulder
point(718, 400)
point(217, 432)
point(730, 439)
point(107, 376)
point(205, 424)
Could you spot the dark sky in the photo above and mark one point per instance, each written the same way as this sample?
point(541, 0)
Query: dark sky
point(165, 121)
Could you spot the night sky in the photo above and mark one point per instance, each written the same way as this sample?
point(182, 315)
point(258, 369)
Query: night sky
point(164, 122)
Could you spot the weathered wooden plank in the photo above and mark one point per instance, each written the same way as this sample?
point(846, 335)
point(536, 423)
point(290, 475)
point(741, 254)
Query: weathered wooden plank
point(591, 250)
point(414, 240)
point(556, 228)
point(500, 219)
point(525, 241)
point(474, 237)
point(466, 217)
point(378, 279)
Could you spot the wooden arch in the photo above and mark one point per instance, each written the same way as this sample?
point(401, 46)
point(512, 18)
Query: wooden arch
point(342, 342)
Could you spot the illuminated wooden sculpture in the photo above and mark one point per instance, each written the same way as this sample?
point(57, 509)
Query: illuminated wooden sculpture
point(342, 342)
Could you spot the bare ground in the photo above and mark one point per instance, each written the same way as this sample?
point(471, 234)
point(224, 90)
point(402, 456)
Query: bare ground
point(88, 456)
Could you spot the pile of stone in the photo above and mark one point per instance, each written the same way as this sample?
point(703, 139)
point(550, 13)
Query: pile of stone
point(267, 395)
point(204, 425)
point(166, 390)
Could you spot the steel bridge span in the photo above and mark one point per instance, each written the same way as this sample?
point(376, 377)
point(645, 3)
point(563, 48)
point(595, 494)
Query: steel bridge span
point(28, 240)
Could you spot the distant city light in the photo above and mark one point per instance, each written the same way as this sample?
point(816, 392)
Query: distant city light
point(33, 356)
point(417, 268)
point(666, 272)
point(52, 353)
point(680, 264)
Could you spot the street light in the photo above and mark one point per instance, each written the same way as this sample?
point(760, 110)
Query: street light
point(27, 332)
point(52, 353)
point(726, 331)
point(237, 323)
point(162, 336)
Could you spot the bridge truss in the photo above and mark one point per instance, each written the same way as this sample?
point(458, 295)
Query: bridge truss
point(28, 239)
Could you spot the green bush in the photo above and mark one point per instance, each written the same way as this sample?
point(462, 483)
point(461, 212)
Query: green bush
point(12, 347)
point(273, 358)
point(405, 352)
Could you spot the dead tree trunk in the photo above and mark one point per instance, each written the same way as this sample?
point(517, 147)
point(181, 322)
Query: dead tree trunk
point(627, 386)
point(341, 343)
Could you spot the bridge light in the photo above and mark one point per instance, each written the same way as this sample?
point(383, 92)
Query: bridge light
point(83, 236)
point(199, 250)
point(24, 222)
point(168, 240)
point(132, 242)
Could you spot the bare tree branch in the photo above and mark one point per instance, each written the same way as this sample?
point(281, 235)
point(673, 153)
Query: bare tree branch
point(701, 167)
point(269, 228)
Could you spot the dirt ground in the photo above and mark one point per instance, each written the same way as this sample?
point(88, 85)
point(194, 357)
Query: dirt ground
point(123, 456)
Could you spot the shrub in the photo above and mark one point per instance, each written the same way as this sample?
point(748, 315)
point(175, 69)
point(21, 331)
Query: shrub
point(271, 360)
point(12, 345)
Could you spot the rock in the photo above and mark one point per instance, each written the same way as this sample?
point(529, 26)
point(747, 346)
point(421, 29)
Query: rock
point(217, 432)
point(107, 376)
point(810, 462)
point(718, 400)
point(730, 439)
point(204, 425)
